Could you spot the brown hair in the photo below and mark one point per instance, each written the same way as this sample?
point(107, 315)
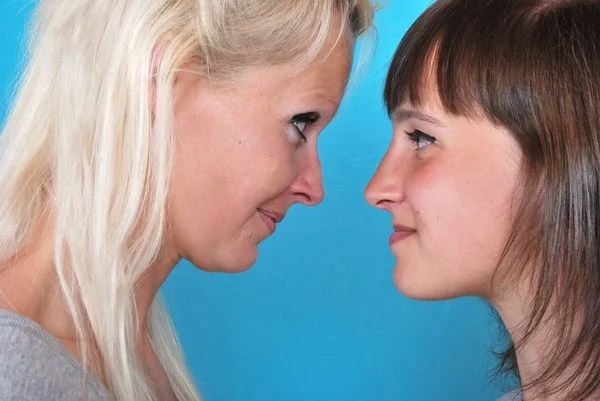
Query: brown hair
point(532, 67)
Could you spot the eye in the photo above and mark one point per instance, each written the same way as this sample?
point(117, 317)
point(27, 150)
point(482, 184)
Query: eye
point(300, 126)
point(420, 138)
point(301, 121)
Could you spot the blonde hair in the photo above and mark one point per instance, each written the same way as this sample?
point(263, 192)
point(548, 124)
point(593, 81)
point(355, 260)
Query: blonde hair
point(83, 137)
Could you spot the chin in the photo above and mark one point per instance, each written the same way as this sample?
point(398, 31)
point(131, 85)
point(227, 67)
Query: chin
point(232, 262)
point(422, 288)
point(238, 267)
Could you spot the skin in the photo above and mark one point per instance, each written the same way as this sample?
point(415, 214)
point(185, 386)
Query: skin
point(450, 200)
point(240, 164)
point(230, 172)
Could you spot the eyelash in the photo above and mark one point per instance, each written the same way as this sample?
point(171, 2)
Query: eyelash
point(416, 136)
point(304, 119)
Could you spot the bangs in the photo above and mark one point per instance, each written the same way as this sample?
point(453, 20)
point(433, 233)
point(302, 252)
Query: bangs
point(465, 56)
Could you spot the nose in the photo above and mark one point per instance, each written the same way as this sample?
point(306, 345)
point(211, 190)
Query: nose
point(307, 187)
point(386, 189)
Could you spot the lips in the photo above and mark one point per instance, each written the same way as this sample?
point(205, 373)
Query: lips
point(400, 228)
point(270, 219)
point(277, 217)
point(400, 233)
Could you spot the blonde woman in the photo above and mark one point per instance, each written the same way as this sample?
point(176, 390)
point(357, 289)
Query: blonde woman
point(144, 132)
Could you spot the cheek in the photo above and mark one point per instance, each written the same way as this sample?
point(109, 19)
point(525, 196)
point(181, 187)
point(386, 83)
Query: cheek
point(220, 180)
point(275, 169)
point(463, 214)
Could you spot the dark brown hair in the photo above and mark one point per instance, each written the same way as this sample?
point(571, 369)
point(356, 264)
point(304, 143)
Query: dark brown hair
point(532, 67)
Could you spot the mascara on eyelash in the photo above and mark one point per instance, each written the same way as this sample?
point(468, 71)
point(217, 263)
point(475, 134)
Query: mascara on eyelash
point(310, 117)
point(418, 134)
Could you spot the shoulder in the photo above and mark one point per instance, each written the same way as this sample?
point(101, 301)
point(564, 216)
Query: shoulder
point(34, 365)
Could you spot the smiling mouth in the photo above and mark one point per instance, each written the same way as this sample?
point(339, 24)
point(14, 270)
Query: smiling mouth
point(400, 233)
point(275, 216)
point(270, 219)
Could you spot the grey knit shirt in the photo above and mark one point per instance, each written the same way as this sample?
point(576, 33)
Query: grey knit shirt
point(34, 365)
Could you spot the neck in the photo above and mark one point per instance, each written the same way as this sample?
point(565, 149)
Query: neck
point(29, 286)
point(150, 283)
point(533, 355)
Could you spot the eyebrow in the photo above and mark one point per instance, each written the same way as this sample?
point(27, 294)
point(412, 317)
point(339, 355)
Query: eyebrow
point(403, 114)
point(323, 95)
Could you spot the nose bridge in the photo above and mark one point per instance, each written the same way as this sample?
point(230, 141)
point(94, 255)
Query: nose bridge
point(393, 166)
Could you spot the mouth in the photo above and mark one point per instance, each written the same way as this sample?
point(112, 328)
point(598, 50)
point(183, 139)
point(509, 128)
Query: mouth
point(271, 219)
point(400, 233)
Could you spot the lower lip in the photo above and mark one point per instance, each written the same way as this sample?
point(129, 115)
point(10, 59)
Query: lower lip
point(399, 236)
point(269, 222)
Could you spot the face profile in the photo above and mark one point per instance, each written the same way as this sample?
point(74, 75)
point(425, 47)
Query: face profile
point(247, 151)
point(449, 184)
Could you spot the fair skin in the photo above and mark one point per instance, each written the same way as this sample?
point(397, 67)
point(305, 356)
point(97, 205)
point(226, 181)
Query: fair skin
point(450, 200)
point(450, 184)
point(262, 158)
point(245, 152)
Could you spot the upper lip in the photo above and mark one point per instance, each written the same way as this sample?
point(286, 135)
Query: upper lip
point(276, 216)
point(402, 228)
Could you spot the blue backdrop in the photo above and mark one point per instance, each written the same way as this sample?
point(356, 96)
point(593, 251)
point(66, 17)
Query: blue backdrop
point(318, 317)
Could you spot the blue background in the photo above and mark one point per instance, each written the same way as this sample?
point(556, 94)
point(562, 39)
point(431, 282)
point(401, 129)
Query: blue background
point(318, 316)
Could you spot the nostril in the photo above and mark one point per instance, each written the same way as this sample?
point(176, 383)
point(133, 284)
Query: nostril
point(383, 203)
point(303, 198)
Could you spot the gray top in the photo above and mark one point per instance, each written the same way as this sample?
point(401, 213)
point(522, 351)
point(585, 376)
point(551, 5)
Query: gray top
point(34, 365)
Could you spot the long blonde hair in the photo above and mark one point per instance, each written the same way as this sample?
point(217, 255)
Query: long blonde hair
point(88, 136)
